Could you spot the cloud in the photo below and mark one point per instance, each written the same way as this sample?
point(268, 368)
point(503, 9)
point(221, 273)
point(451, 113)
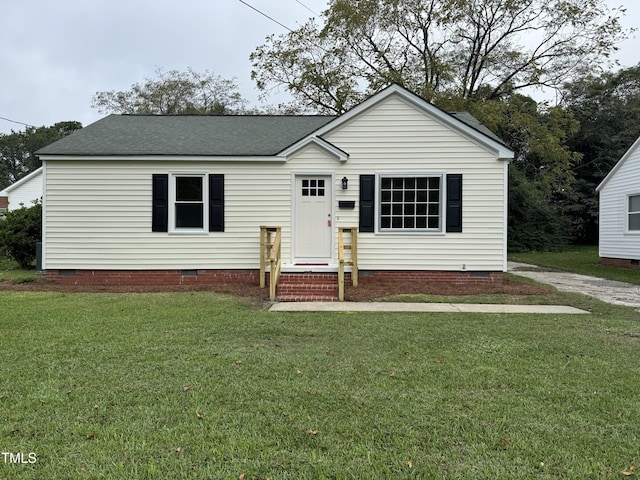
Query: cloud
point(56, 55)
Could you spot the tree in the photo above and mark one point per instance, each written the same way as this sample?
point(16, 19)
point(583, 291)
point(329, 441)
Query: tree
point(20, 231)
point(542, 169)
point(313, 67)
point(534, 223)
point(17, 149)
point(465, 48)
point(608, 109)
point(173, 93)
point(537, 133)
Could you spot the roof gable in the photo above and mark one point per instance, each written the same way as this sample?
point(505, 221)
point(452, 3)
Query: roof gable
point(463, 123)
point(617, 166)
point(321, 143)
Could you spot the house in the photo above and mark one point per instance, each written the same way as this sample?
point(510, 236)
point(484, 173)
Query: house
point(181, 199)
point(619, 215)
point(22, 193)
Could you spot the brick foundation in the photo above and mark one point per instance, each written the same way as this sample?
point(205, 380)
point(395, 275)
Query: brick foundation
point(209, 277)
point(454, 277)
point(621, 262)
point(152, 277)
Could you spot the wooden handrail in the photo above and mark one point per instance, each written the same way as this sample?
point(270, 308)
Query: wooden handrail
point(342, 261)
point(275, 249)
point(270, 251)
point(274, 260)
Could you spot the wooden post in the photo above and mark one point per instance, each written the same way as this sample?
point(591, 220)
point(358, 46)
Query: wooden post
point(275, 263)
point(354, 256)
point(341, 281)
point(341, 264)
point(266, 245)
point(342, 261)
point(263, 248)
point(270, 252)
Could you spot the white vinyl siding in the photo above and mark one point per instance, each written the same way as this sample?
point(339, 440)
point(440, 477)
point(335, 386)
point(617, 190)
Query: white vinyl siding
point(99, 216)
point(616, 239)
point(394, 137)
point(98, 212)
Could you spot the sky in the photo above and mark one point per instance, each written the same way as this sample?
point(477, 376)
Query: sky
point(56, 54)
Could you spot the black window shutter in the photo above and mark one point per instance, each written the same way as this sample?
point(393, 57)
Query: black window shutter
point(160, 203)
point(367, 202)
point(216, 203)
point(454, 203)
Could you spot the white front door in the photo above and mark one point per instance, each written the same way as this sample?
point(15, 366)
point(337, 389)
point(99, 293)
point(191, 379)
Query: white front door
point(313, 222)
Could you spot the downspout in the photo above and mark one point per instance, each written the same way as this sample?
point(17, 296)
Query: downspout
point(506, 216)
point(44, 216)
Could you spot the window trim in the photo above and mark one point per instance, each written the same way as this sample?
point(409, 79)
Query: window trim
point(629, 213)
point(173, 229)
point(441, 230)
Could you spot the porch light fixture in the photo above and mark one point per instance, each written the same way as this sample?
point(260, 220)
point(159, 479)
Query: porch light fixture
point(345, 183)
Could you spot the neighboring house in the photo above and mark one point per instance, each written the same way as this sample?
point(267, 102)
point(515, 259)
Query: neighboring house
point(22, 193)
point(620, 211)
point(157, 199)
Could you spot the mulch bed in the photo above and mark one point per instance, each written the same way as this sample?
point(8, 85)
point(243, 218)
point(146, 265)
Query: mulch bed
point(369, 289)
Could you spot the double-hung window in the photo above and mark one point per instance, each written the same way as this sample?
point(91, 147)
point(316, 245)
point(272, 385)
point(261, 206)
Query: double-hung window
point(634, 213)
point(189, 202)
point(410, 203)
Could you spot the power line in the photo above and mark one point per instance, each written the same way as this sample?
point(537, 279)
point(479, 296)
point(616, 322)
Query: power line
point(282, 25)
point(265, 15)
point(15, 121)
point(307, 8)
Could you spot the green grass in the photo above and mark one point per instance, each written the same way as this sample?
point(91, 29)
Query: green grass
point(11, 272)
point(584, 260)
point(94, 385)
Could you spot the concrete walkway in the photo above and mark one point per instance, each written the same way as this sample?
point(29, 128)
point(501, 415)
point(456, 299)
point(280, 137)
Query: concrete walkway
point(420, 307)
point(610, 291)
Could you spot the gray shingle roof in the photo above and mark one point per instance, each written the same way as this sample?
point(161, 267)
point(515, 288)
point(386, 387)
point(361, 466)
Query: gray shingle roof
point(188, 135)
point(473, 122)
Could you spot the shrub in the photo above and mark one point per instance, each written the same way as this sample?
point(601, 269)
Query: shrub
point(20, 231)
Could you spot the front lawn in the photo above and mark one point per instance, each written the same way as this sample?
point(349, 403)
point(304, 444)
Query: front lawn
point(584, 260)
point(198, 385)
point(12, 273)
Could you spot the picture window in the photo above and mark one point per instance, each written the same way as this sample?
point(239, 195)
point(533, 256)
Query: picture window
point(412, 203)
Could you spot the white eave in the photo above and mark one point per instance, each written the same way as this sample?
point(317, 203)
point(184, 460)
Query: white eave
point(24, 179)
point(171, 158)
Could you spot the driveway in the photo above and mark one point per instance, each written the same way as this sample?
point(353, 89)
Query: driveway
point(610, 291)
